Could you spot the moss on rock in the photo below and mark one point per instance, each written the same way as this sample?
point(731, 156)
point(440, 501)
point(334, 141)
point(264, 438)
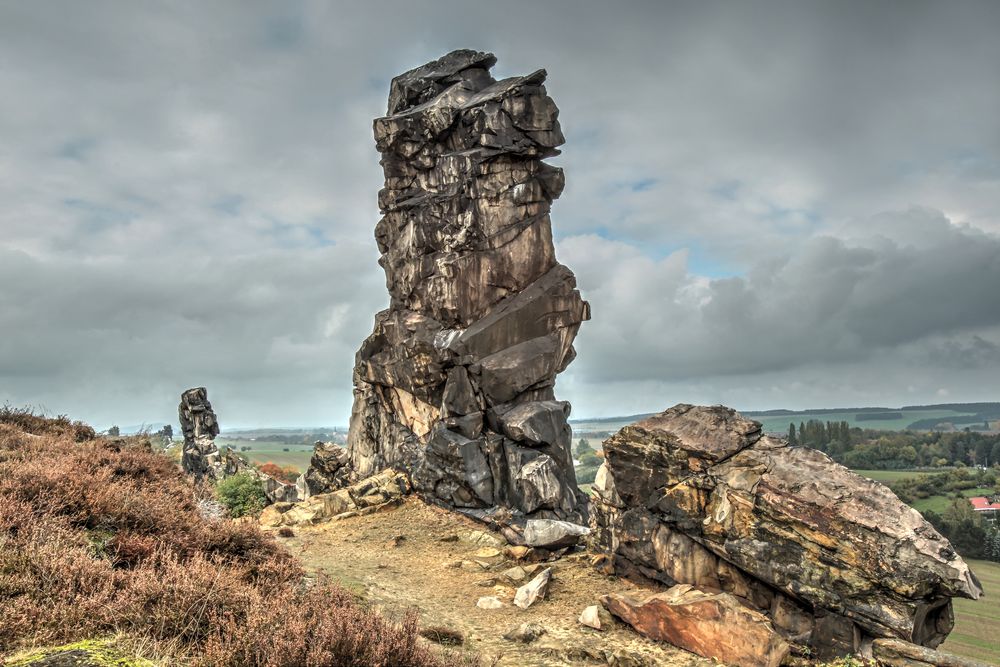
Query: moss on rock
point(87, 653)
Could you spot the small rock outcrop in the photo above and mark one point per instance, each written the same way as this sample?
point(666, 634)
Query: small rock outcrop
point(701, 496)
point(200, 457)
point(455, 383)
point(369, 495)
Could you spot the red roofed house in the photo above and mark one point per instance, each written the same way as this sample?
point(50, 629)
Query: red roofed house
point(985, 507)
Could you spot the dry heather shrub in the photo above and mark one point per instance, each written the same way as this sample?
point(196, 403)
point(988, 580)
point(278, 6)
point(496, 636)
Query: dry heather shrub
point(100, 537)
point(24, 419)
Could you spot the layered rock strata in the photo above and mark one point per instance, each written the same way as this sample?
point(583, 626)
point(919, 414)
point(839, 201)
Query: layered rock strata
point(455, 383)
point(701, 496)
point(199, 457)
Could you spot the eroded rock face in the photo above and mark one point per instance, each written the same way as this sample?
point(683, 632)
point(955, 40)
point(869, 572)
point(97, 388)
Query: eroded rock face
point(455, 384)
point(700, 496)
point(200, 457)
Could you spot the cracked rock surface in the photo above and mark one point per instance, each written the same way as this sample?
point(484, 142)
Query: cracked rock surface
point(455, 383)
point(700, 496)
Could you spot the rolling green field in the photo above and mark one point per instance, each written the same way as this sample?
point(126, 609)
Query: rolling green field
point(889, 476)
point(779, 424)
point(262, 451)
point(940, 503)
point(977, 622)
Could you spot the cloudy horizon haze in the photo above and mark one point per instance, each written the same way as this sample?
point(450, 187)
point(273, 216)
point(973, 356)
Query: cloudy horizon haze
point(768, 204)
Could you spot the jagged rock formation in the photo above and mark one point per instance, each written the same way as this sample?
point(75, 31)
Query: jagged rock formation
point(329, 468)
point(202, 460)
point(200, 457)
point(455, 384)
point(700, 496)
point(369, 495)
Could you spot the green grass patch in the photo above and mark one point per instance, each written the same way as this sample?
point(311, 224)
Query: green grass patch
point(886, 476)
point(977, 622)
point(940, 503)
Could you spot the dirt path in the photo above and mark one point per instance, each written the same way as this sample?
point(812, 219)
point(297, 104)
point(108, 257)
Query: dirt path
point(424, 570)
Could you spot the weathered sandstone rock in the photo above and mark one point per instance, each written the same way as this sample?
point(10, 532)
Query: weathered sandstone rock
point(713, 625)
point(700, 496)
point(537, 588)
point(455, 384)
point(199, 457)
point(897, 653)
point(552, 534)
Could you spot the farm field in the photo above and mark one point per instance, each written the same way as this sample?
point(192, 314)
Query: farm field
point(889, 476)
point(779, 424)
point(262, 451)
point(977, 622)
point(940, 503)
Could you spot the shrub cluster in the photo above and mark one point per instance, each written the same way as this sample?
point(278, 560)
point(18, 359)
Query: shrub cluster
point(99, 537)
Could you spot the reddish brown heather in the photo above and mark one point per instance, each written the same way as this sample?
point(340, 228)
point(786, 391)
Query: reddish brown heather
point(103, 537)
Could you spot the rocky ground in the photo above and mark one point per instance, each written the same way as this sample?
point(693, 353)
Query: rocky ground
point(440, 563)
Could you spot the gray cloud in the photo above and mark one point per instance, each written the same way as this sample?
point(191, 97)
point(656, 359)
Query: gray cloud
point(768, 203)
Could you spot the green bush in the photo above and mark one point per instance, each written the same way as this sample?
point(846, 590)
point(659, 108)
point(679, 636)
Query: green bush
point(242, 494)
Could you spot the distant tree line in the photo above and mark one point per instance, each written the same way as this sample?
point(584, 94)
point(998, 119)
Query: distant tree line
point(867, 449)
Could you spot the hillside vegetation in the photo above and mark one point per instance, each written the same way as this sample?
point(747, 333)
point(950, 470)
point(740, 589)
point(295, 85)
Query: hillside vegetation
point(104, 538)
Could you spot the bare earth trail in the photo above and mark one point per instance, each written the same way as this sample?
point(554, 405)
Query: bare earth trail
point(421, 570)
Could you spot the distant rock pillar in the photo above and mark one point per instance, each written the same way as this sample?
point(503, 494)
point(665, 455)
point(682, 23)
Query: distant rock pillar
point(200, 457)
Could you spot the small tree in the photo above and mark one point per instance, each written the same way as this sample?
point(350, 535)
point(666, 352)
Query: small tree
point(114, 431)
point(792, 439)
point(242, 494)
point(582, 447)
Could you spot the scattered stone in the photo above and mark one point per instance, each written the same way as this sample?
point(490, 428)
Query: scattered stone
point(596, 617)
point(533, 590)
point(449, 538)
point(487, 583)
point(551, 534)
point(702, 496)
point(489, 554)
point(525, 633)
point(518, 553)
point(489, 602)
point(453, 565)
point(713, 625)
point(515, 574)
point(484, 539)
point(395, 541)
point(474, 566)
point(455, 385)
point(897, 653)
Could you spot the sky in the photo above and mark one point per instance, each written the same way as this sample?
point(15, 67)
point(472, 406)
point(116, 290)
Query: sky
point(768, 204)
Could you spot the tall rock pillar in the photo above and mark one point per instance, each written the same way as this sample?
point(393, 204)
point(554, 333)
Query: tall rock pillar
point(200, 456)
point(455, 383)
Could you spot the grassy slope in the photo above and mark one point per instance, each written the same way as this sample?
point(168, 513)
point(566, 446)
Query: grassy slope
point(977, 622)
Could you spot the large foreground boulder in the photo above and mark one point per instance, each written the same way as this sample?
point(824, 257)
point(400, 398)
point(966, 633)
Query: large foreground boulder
point(455, 383)
point(701, 496)
point(713, 625)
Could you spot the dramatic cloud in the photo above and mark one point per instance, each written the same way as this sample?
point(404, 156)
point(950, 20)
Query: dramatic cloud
point(771, 204)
